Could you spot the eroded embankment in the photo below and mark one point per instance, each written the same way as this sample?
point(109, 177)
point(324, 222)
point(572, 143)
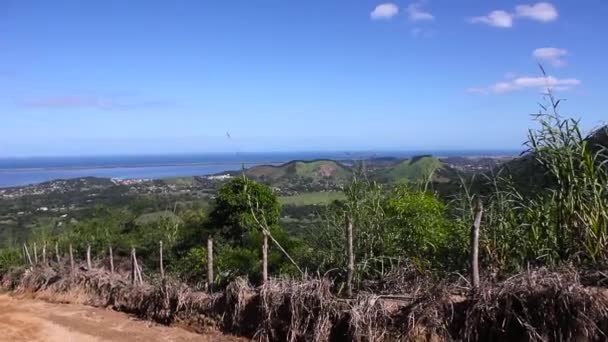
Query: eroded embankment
point(540, 305)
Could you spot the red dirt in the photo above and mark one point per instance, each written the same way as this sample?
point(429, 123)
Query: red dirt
point(23, 319)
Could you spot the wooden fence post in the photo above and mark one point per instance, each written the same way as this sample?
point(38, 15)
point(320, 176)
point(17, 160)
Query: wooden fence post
point(162, 268)
point(350, 255)
point(138, 269)
point(44, 253)
point(475, 243)
point(265, 258)
point(111, 259)
point(35, 254)
point(89, 267)
point(71, 258)
point(132, 266)
point(57, 253)
point(210, 278)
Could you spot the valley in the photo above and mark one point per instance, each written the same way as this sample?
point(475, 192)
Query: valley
point(303, 187)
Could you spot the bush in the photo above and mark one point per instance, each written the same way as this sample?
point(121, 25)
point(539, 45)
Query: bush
point(9, 258)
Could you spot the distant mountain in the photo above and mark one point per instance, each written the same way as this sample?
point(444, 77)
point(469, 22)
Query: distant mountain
point(316, 172)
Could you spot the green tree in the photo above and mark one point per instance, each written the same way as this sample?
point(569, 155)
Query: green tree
point(243, 213)
point(240, 202)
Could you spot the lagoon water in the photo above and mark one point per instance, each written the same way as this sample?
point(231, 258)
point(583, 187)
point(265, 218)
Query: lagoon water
point(24, 171)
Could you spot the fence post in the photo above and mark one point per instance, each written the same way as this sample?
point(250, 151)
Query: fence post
point(35, 254)
point(132, 266)
point(351, 257)
point(265, 258)
point(475, 243)
point(57, 253)
point(89, 267)
point(210, 263)
point(44, 253)
point(162, 268)
point(111, 259)
point(71, 258)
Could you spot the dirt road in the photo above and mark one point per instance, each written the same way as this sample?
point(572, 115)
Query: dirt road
point(32, 320)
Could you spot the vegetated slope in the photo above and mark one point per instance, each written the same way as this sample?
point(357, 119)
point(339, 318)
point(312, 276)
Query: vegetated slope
point(599, 138)
point(158, 216)
point(416, 169)
point(316, 172)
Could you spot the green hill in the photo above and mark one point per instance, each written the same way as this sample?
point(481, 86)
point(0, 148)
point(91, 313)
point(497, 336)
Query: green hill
point(416, 169)
point(316, 172)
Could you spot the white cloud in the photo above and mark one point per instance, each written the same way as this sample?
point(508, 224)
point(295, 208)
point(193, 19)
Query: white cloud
point(495, 18)
point(384, 11)
point(416, 13)
point(542, 11)
point(521, 83)
point(551, 55)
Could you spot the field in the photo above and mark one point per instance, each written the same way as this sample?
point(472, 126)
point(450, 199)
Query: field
point(312, 198)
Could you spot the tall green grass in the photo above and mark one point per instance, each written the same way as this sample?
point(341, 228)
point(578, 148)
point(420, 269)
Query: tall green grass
point(566, 219)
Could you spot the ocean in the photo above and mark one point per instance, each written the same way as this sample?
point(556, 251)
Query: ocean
point(33, 170)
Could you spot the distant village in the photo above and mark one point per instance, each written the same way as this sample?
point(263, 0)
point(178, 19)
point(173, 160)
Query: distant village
point(91, 185)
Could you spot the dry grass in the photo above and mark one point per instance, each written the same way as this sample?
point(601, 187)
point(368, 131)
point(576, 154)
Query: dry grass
point(538, 305)
point(296, 311)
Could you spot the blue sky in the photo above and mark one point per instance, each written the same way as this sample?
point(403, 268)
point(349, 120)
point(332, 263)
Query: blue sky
point(124, 77)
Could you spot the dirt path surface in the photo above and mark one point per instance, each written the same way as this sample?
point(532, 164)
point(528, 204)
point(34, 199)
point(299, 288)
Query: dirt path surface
point(24, 319)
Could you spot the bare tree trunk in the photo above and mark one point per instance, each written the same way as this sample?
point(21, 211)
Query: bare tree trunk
point(35, 254)
point(351, 257)
point(57, 253)
point(138, 269)
point(136, 277)
point(71, 258)
point(44, 253)
point(27, 253)
point(89, 257)
point(162, 269)
point(265, 259)
point(475, 244)
point(210, 263)
point(111, 259)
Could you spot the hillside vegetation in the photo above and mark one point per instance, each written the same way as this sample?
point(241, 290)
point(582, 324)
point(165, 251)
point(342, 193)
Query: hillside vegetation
point(416, 169)
point(305, 174)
